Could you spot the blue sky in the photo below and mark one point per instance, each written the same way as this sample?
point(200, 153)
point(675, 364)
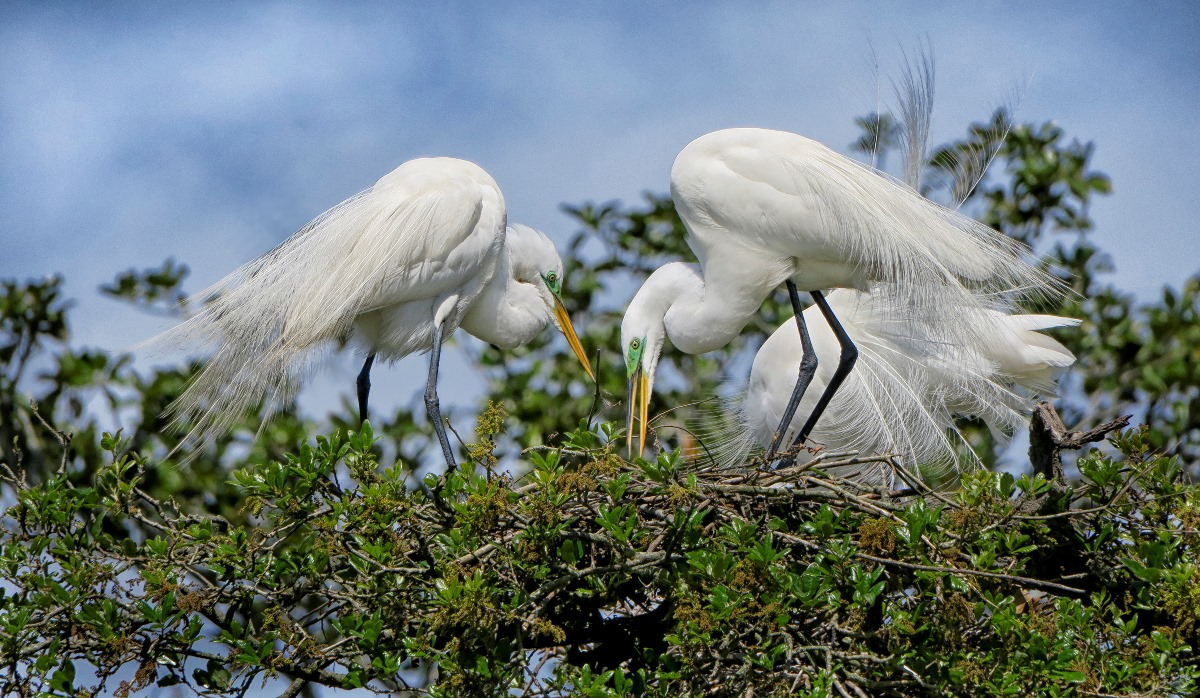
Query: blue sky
point(209, 132)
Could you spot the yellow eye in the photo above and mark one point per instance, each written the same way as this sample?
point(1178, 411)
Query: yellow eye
point(551, 277)
point(634, 344)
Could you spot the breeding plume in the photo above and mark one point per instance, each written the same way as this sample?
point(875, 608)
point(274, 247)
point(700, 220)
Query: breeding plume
point(764, 208)
point(392, 270)
point(907, 387)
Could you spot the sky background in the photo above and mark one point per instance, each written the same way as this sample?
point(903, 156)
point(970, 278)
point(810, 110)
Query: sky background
point(208, 132)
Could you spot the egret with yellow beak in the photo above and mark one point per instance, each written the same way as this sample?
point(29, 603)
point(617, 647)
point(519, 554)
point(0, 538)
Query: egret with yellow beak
point(392, 270)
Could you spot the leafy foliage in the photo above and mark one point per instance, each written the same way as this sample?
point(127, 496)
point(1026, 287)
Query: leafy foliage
point(595, 576)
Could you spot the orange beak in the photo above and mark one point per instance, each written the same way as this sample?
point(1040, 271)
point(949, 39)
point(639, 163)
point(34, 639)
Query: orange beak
point(568, 330)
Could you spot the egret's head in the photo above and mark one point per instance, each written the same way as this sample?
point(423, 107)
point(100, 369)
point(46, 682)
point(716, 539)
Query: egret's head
point(534, 260)
point(642, 334)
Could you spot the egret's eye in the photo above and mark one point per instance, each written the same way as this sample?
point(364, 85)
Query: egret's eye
point(551, 277)
point(633, 357)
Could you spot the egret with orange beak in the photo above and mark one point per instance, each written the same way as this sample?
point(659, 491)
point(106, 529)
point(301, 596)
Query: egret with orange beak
point(392, 270)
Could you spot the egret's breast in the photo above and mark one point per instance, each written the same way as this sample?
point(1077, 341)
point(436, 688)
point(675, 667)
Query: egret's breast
point(397, 330)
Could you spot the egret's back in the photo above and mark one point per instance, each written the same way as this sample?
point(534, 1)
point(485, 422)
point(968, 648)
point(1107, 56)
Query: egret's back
point(425, 236)
point(802, 211)
point(905, 390)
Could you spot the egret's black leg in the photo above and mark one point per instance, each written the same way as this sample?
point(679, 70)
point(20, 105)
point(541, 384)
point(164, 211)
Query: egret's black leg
point(845, 363)
point(364, 387)
point(808, 367)
point(432, 406)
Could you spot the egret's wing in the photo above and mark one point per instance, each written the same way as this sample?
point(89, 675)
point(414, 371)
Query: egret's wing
point(426, 229)
point(429, 229)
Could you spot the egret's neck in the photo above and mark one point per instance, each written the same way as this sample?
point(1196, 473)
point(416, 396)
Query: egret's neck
point(507, 312)
point(698, 318)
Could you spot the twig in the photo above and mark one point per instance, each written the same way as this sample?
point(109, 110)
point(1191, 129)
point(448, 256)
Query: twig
point(63, 438)
point(1025, 581)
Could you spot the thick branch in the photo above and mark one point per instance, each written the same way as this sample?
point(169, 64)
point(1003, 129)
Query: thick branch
point(1048, 437)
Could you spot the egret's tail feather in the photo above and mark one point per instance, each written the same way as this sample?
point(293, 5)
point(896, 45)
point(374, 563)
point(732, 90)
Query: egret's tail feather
point(1032, 359)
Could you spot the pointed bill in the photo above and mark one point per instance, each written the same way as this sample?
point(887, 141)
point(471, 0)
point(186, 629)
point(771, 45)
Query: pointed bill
point(630, 396)
point(568, 330)
point(643, 409)
point(637, 396)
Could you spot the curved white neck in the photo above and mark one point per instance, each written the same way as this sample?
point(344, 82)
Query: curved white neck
point(507, 312)
point(696, 320)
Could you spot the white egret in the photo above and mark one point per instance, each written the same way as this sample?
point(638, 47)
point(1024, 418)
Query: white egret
point(906, 388)
point(764, 208)
point(392, 270)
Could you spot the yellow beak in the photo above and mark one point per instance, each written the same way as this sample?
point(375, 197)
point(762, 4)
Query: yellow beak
point(638, 399)
point(568, 330)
